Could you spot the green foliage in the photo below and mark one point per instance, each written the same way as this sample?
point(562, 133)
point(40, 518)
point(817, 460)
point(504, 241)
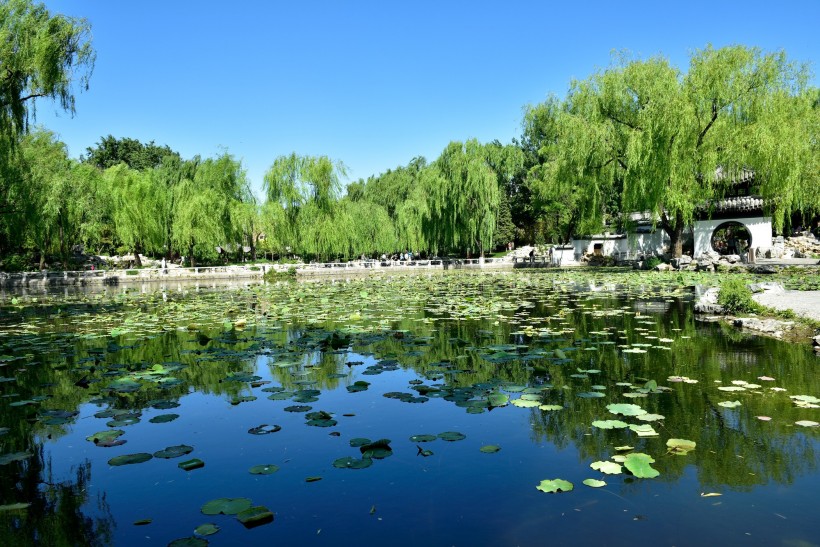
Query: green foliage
point(736, 297)
point(136, 155)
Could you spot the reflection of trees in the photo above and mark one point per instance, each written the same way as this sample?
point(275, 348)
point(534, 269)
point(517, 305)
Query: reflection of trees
point(56, 516)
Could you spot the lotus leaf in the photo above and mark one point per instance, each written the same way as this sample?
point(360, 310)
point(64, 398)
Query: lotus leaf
point(680, 446)
point(312, 479)
point(524, 403)
point(807, 423)
point(594, 483)
point(190, 465)
point(163, 418)
point(349, 462)
point(550, 407)
point(490, 449)
point(591, 395)
point(105, 436)
point(189, 542)
point(359, 441)
point(226, 506)
point(609, 468)
point(128, 459)
point(377, 449)
point(643, 430)
point(255, 516)
point(498, 399)
point(554, 486)
point(422, 438)
point(729, 404)
point(626, 409)
point(452, 436)
point(264, 429)
point(14, 507)
point(174, 451)
point(609, 424)
point(206, 529)
point(638, 464)
point(650, 417)
point(266, 469)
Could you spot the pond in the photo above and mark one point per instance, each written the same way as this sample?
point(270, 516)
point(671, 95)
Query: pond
point(443, 409)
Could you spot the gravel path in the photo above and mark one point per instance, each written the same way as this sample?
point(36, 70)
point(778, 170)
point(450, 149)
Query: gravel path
point(802, 303)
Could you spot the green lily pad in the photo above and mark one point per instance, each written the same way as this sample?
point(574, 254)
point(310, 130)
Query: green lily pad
point(729, 404)
point(554, 486)
point(490, 448)
point(806, 423)
point(14, 507)
point(264, 429)
point(422, 438)
point(267, 469)
point(498, 399)
point(550, 408)
point(625, 409)
point(174, 451)
point(190, 465)
point(206, 529)
point(255, 516)
point(525, 403)
point(189, 542)
point(356, 442)
point(452, 436)
point(163, 418)
point(594, 483)
point(129, 459)
point(609, 424)
point(638, 464)
point(349, 462)
point(680, 446)
point(377, 449)
point(226, 506)
point(313, 479)
point(105, 436)
point(643, 430)
point(606, 467)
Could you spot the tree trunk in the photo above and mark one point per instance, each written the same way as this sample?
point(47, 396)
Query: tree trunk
point(675, 232)
point(137, 261)
point(42, 260)
point(191, 254)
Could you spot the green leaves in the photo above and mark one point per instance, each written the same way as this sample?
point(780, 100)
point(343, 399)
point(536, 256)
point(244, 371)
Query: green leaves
point(625, 409)
point(129, 459)
point(554, 486)
point(639, 465)
point(226, 506)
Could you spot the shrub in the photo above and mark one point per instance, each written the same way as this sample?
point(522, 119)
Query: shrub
point(651, 262)
point(736, 297)
point(132, 272)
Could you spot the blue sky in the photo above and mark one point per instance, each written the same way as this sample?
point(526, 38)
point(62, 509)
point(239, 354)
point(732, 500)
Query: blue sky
point(373, 84)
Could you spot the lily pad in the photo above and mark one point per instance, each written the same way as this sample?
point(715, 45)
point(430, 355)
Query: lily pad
point(129, 459)
point(422, 438)
point(264, 429)
point(267, 469)
point(807, 423)
point(255, 516)
point(729, 404)
point(452, 436)
point(554, 486)
point(349, 462)
point(377, 449)
point(680, 446)
point(638, 464)
point(189, 542)
point(625, 409)
point(206, 529)
point(594, 483)
point(163, 418)
point(226, 506)
point(609, 468)
point(609, 424)
point(190, 465)
point(490, 448)
point(174, 451)
point(105, 436)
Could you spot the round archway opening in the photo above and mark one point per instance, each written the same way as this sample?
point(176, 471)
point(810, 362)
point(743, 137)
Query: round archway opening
point(731, 238)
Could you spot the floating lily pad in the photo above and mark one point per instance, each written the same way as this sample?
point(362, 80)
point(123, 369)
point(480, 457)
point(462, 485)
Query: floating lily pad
point(174, 451)
point(206, 529)
point(594, 483)
point(680, 446)
point(550, 408)
point(129, 459)
point(105, 436)
point(609, 468)
point(452, 436)
point(226, 506)
point(255, 516)
point(163, 418)
point(189, 542)
point(312, 479)
point(264, 429)
point(190, 465)
point(807, 423)
point(298, 408)
point(267, 469)
point(609, 424)
point(490, 448)
point(554, 486)
point(349, 462)
point(729, 404)
point(643, 430)
point(356, 442)
point(625, 409)
point(638, 464)
point(422, 438)
point(14, 507)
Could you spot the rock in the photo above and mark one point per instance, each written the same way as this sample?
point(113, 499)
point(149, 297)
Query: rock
point(681, 262)
point(816, 342)
point(663, 268)
point(772, 327)
point(762, 269)
point(707, 303)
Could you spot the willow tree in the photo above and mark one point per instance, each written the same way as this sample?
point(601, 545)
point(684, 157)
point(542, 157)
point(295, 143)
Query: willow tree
point(663, 138)
point(41, 56)
point(206, 214)
point(305, 191)
point(463, 198)
point(137, 201)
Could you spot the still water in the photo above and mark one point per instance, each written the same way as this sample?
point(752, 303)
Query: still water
point(415, 410)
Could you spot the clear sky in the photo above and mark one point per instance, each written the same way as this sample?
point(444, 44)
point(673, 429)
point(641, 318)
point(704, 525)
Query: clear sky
point(374, 84)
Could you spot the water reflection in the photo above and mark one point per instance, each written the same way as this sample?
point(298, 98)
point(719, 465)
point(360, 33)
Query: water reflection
point(445, 348)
